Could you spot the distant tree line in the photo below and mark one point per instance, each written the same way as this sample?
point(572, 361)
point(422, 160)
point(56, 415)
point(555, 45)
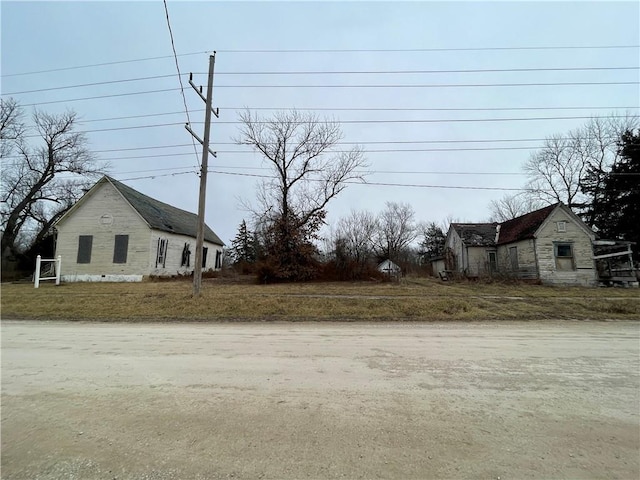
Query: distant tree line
point(354, 247)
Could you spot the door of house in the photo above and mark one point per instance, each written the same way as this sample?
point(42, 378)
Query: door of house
point(493, 262)
point(513, 256)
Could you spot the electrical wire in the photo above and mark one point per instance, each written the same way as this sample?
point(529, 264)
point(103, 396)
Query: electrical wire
point(397, 50)
point(399, 109)
point(377, 184)
point(443, 120)
point(184, 98)
point(145, 92)
point(346, 72)
point(450, 49)
point(443, 85)
point(436, 85)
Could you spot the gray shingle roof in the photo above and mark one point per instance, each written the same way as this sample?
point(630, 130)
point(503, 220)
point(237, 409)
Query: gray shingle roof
point(162, 216)
point(476, 234)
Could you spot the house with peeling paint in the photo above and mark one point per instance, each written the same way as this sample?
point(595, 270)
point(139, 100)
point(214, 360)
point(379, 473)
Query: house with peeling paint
point(552, 245)
point(115, 233)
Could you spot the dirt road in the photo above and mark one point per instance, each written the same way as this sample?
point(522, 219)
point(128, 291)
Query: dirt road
point(319, 400)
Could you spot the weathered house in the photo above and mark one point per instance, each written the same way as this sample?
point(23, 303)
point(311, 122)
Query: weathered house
point(551, 244)
point(115, 233)
point(470, 248)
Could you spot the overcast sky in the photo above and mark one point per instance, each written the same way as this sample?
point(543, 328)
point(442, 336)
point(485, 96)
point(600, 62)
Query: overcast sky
point(484, 133)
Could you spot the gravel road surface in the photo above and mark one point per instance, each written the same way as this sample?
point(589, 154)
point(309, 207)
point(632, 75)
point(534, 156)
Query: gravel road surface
point(320, 400)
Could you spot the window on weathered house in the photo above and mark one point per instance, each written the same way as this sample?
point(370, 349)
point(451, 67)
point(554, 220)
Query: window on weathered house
point(218, 259)
point(204, 256)
point(85, 242)
point(186, 256)
point(120, 249)
point(493, 262)
point(161, 255)
point(561, 226)
point(564, 256)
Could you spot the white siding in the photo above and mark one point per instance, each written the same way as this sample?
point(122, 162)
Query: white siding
point(103, 215)
point(172, 265)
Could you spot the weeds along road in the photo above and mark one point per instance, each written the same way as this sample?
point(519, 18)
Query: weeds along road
point(320, 400)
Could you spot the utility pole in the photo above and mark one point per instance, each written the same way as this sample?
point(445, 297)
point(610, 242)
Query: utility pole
point(197, 268)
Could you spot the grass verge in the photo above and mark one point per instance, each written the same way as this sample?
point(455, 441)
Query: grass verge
point(417, 299)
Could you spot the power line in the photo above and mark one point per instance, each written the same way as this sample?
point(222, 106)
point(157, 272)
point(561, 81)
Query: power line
point(450, 49)
point(345, 72)
point(443, 85)
point(92, 84)
point(436, 85)
point(394, 172)
point(184, 99)
point(101, 96)
point(398, 109)
point(460, 49)
point(405, 142)
point(442, 120)
point(246, 152)
point(410, 72)
point(103, 64)
point(385, 184)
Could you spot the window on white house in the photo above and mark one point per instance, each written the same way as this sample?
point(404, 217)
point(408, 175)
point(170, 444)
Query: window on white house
point(120, 249)
point(85, 242)
point(561, 226)
point(161, 255)
point(218, 259)
point(186, 256)
point(204, 256)
point(564, 256)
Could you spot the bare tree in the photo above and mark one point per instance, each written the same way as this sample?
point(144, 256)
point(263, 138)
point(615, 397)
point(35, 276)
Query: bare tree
point(396, 231)
point(512, 206)
point(40, 183)
point(11, 126)
point(357, 231)
point(307, 173)
point(571, 168)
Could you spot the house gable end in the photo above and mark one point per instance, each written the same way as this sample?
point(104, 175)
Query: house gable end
point(575, 218)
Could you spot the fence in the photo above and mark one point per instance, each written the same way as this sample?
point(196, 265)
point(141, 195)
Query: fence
point(57, 263)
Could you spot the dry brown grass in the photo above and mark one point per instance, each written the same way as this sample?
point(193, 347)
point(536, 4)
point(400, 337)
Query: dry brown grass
point(411, 299)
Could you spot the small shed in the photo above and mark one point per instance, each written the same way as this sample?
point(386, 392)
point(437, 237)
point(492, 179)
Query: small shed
point(438, 265)
point(389, 268)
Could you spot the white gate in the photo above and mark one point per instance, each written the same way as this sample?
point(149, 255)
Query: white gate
point(56, 262)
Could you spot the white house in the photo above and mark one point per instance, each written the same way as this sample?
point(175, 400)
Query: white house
point(115, 233)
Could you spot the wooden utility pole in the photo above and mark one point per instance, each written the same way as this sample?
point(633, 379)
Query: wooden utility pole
point(197, 268)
